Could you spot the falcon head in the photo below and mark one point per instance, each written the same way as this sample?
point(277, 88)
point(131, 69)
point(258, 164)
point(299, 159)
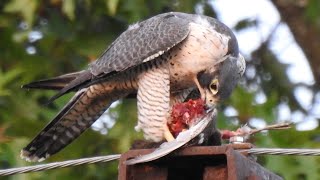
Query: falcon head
point(218, 82)
point(215, 83)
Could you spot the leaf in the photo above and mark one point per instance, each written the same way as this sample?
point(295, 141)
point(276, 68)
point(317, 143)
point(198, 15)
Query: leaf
point(20, 36)
point(245, 23)
point(112, 6)
point(26, 8)
point(68, 8)
point(312, 11)
point(3, 137)
point(6, 78)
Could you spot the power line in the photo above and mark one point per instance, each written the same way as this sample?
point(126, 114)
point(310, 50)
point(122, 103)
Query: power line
point(282, 151)
point(61, 164)
point(77, 162)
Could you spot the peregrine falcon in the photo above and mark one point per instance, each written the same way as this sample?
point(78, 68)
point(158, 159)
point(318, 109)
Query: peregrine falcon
point(161, 60)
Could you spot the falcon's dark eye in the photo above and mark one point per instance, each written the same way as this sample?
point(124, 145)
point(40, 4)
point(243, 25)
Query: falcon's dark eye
point(214, 85)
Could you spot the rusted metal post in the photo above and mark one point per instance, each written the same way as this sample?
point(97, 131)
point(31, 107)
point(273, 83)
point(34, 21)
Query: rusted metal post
point(203, 162)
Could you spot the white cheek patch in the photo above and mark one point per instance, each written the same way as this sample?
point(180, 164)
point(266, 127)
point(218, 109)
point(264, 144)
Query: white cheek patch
point(215, 43)
point(204, 22)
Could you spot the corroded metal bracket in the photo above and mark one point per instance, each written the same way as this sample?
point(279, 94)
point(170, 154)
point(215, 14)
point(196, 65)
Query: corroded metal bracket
point(202, 162)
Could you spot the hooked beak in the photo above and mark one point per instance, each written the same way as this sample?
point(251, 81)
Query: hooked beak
point(209, 106)
point(209, 100)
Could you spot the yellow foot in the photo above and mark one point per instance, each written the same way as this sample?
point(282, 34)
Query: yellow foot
point(167, 134)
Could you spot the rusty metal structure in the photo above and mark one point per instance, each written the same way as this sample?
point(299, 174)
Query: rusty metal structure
point(197, 163)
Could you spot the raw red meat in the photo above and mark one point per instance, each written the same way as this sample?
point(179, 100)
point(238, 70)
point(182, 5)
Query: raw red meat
point(227, 134)
point(184, 114)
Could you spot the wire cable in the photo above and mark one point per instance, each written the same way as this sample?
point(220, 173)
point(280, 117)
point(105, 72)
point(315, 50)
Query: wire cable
point(62, 164)
point(282, 151)
point(77, 162)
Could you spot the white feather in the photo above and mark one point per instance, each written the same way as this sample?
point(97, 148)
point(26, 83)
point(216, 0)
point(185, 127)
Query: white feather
point(182, 139)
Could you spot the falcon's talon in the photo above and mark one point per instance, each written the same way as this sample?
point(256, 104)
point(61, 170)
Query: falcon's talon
point(167, 134)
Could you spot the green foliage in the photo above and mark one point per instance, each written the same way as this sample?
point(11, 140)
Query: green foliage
point(112, 6)
point(6, 79)
point(291, 167)
point(312, 12)
point(77, 32)
point(68, 8)
point(245, 23)
point(19, 7)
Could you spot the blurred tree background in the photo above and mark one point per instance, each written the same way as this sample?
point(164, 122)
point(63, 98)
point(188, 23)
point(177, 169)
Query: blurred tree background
point(42, 39)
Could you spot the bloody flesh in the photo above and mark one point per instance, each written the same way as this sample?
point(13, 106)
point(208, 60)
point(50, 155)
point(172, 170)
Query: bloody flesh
point(185, 114)
point(227, 134)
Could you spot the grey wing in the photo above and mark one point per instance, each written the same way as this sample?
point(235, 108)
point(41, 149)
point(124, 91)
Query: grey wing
point(182, 139)
point(142, 42)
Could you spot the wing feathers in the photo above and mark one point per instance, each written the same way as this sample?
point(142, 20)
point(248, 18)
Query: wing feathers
point(142, 42)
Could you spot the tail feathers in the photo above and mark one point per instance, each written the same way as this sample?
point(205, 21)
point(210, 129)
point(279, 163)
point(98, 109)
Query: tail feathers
point(78, 82)
point(56, 83)
point(64, 83)
point(35, 151)
point(78, 115)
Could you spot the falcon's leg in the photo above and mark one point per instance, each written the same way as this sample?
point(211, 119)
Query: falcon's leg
point(154, 103)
